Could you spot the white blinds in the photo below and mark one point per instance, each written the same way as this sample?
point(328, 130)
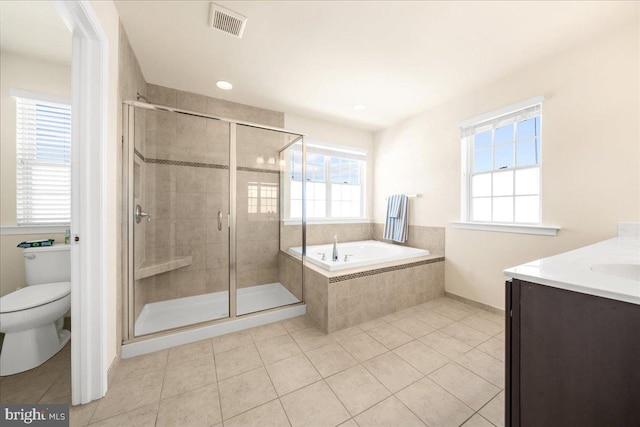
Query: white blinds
point(515, 113)
point(43, 148)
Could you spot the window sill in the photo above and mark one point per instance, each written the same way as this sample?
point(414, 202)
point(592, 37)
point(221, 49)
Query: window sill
point(7, 230)
point(541, 230)
point(329, 221)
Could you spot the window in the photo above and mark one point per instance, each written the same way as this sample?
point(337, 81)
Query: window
point(263, 198)
point(335, 183)
point(502, 161)
point(43, 170)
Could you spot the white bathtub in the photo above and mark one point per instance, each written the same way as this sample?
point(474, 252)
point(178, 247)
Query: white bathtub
point(368, 252)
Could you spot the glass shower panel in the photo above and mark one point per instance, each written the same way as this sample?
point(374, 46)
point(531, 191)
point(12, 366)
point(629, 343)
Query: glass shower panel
point(266, 275)
point(181, 249)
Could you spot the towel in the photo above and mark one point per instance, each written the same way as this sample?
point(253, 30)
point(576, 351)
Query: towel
point(396, 227)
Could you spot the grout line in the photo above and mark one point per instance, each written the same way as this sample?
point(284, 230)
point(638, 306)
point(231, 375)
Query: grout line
point(215, 368)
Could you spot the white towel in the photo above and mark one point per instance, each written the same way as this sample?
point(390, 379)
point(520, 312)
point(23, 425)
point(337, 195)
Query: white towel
point(397, 223)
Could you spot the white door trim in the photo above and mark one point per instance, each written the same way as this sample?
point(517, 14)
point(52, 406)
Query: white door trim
point(88, 200)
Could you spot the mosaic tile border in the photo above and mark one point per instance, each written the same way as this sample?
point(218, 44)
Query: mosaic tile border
point(383, 270)
point(248, 169)
point(182, 163)
point(199, 164)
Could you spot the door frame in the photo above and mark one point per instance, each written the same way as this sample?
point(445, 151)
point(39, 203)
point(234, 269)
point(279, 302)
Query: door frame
point(89, 200)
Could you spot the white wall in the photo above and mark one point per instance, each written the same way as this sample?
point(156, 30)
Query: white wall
point(33, 75)
point(590, 151)
point(336, 134)
point(109, 20)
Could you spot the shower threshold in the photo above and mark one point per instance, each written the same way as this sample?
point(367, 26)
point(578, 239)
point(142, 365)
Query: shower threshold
point(164, 315)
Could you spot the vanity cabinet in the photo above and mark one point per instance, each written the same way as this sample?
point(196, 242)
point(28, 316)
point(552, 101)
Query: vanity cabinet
point(572, 359)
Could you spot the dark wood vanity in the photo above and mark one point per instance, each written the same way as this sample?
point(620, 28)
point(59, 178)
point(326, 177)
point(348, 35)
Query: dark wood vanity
point(572, 359)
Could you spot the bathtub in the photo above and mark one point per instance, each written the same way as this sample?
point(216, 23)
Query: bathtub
point(368, 252)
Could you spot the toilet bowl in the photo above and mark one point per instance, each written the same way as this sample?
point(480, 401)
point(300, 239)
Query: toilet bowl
point(29, 316)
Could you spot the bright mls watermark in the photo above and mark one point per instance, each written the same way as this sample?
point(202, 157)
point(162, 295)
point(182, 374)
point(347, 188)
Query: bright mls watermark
point(34, 415)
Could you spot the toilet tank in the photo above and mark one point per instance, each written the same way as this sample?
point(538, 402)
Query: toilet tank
point(47, 264)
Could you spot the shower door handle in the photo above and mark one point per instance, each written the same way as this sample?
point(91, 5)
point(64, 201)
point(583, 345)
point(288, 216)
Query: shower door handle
point(139, 215)
point(219, 220)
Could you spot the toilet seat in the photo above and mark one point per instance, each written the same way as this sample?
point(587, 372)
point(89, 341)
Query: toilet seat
point(34, 296)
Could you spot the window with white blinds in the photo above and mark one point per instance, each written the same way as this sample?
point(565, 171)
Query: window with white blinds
point(502, 164)
point(43, 148)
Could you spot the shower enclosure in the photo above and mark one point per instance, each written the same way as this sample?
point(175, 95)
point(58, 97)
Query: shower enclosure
point(204, 209)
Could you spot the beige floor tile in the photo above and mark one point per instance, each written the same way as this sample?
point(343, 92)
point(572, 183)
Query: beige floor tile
point(141, 417)
point(488, 367)
point(493, 347)
point(291, 374)
point(498, 318)
point(310, 338)
point(362, 346)
point(494, 410)
point(270, 414)
point(331, 359)
point(237, 361)
point(297, 323)
point(130, 394)
point(434, 320)
point(445, 344)
point(188, 376)
point(314, 405)
point(230, 341)
point(344, 333)
point(128, 368)
point(265, 332)
point(421, 357)
point(451, 312)
point(357, 389)
point(60, 388)
point(188, 352)
point(412, 326)
point(389, 336)
point(392, 371)
point(63, 400)
point(472, 390)
point(371, 324)
point(433, 303)
point(245, 391)
point(349, 423)
point(29, 386)
point(398, 315)
point(500, 336)
point(277, 348)
point(433, 405)
point(80, 415)
point(199, 407)
point(477, 421)
point(465, 334)
point(483, 325)
point(389, 413)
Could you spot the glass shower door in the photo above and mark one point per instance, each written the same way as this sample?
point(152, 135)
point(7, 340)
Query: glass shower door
point(179, 204)
point(267, 276)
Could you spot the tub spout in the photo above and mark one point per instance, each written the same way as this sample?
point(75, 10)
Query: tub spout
point(335, 255)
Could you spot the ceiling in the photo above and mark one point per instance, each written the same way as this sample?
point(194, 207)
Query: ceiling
point(34, 29)
point(319, 59)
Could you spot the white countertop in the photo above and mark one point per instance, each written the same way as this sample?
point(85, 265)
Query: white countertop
point(609, 269)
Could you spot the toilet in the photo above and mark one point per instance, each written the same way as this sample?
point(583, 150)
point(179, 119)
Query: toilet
point(32, 317)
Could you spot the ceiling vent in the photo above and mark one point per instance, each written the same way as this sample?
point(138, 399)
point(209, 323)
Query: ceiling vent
point(226, 20)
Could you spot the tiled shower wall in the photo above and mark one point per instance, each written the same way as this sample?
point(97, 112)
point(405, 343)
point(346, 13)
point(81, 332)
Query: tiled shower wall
point(186, 163)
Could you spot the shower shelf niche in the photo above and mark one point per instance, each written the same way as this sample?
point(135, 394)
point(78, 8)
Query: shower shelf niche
point(153, 267)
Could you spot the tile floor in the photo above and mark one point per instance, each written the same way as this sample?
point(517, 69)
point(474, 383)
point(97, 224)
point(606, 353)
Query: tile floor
point(437, 364)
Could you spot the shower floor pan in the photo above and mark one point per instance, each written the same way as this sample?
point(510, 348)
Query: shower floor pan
point(164, 315)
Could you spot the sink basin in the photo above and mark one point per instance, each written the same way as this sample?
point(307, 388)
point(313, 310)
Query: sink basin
point(626, 271)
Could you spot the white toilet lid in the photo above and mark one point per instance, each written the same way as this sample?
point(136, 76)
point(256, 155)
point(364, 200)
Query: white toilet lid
point(33, 296)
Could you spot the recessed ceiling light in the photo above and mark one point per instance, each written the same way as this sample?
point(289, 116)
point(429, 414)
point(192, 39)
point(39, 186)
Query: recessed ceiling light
point(224, 85)
point(359, 107)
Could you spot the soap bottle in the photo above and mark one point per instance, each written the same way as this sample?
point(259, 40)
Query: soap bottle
point(67, 236)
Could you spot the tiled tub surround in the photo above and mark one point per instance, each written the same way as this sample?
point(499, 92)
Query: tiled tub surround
point(422, 237)
point(342, 299)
